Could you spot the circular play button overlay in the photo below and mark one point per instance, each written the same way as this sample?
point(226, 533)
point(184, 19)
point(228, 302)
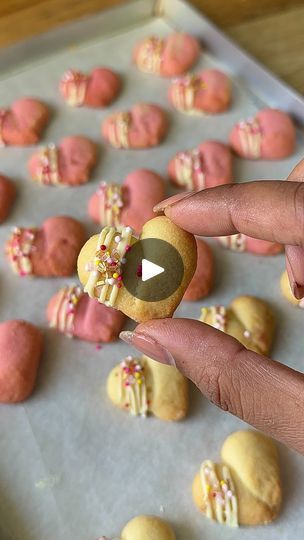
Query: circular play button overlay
point(153, 270)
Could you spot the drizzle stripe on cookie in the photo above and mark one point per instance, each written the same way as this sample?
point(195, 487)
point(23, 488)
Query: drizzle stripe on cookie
point(149, 59)
point(65, 309)
point(250, 134)
point(110, 204)
point(218, 316)
point(132, 386)
point(119, 130)
point(74, 87)
point(48, 170)
point(184, 91)
point(235, 242)
point(188, 169)
point(105, 278)
point(19, 249)
point(220, 502)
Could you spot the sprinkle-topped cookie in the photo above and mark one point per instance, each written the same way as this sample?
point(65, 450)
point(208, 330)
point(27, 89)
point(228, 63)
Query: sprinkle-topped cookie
point(220, 502)
point(235, 242)
point(65, 309)
point(119, 130)
point(73, 86)
point(150, 55)
point(189, 167)
point(133, 386)
point(218, 315)
point(250, 133)
point(183, 92)
point(110, 203)
point(19, 249)
point(48, 170)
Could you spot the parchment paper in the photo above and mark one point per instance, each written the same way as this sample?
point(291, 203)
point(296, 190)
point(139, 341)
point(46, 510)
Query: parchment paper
point(73, 467)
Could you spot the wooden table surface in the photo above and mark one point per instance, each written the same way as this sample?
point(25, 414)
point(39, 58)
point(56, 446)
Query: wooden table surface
point(271, 30)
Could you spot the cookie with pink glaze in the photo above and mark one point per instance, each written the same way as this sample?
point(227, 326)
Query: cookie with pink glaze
point(202, 281)
point(75, 314)
point(242, 242)
point(49, 251)
point(23, 123)
point(208, 165)
point(130, 203)
point(7, 197)
point(167, 57)
point(269, 135)
point(96, 89)
point(70, 163)
point(208, 91)
point(20, 352)
point(143, 126)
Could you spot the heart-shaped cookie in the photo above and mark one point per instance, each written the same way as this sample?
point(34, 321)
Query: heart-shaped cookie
point(241, 242)
point(167, 57)
point(49, 251)
point(75, 314)
point(208, 165)
point(141, 386)
point(101, 268)
point(143, 126)
point(23, 123)
point(245, 488)
point(20, 352)
point(69, 163)
point(96, 89)
point(208, 91)
point(287, 292)
point(202, 281)
point(130, 203)
point(270, 134)
point(7, 197)
point(145, 528)
point(247, 318)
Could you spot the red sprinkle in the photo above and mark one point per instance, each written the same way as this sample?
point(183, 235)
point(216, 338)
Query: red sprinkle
point(103, 247)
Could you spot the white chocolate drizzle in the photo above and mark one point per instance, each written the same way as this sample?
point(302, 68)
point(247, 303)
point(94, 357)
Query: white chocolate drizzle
point(132, 386)
point(150, 55)
point(218, 316)
point(74, 87)
point(220, 502)
point(19, 249)
point(105, 271)
point(118, 133)
point(235, 242)
point(250, 137)
point(110, 204)
point(48, 169)
point(184, 91)
point(188, 169)
point(3, 113)
point(65, 309)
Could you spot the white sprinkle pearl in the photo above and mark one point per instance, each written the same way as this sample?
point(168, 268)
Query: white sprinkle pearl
point(117, 239)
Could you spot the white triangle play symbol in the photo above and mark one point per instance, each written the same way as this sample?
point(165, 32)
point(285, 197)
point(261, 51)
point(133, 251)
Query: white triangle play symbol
point(150, 270)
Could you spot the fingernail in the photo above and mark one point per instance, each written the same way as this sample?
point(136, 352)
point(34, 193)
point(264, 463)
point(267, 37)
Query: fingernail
point(148, 346)
point(161, 206)
point(296, 288)
point(298, 291)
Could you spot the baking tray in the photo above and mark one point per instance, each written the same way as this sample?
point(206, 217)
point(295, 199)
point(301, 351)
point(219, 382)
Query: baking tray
point(73, 467)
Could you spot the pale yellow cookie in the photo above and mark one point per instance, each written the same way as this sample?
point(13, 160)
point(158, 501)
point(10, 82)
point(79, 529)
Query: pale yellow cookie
point(247, 318)
point(287, 292)
point(244, 489)
point(142, 385)
point(94, 273)
point(147, 528)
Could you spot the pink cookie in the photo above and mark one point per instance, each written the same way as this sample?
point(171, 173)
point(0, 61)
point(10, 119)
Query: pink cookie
point(143, 126)
point(49, 251)
point(69, 163)
point(20, 352)
point(269, 135)
point(75, 314)
point(206, 92)
point(97, 89)
point(242, 242)
point(23, 123)
point(130, 203)
point(202, 281)
point(208, 165)
point(167, 57)
point(7, 197)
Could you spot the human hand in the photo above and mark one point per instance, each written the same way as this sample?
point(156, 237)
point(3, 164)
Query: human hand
point(260, 391)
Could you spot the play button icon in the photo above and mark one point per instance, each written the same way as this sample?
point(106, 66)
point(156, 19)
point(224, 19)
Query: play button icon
point(150, 270)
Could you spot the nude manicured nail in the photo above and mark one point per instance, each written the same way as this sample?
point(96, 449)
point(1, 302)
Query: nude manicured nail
point(161, 206)
point(298, 291)
point(148, 346)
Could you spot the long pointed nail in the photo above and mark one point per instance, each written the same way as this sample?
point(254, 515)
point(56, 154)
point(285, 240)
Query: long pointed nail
point(148, 346)
point(296, 288)
point(161, 206)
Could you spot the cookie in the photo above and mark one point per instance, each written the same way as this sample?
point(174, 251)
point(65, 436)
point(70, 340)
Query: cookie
point(75, 314)
point(202, 281)
point(7, 197)
point(96, 89)
point(101, 266)
point(245, 488)
point(241, 242)
point(70, 163)
point(23, 123)
point(208, 165)
point(287, 292)
point(167, 57)
point(130, 203)
point(49, 251)
point(141, 386)
point(270, 134)
point(145, 528)
point(143, 126)
point(20, 352)
point(247, 318)
point(208, 91)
